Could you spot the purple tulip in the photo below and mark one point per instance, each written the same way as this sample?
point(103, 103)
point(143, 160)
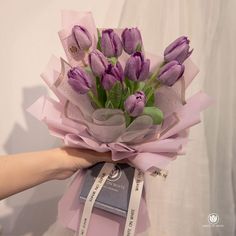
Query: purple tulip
point(178, 50)
point(170, 73)
point(135, 104)
point(98, 62)
point(132, 40)
point(79, 80)
point(112, 74)
point(137, 68)
point(111, 45)
point(82, 37)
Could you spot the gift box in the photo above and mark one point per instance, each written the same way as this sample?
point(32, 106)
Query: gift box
point(115, 194)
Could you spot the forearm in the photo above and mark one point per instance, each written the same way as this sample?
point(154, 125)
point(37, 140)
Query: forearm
point(22, 171)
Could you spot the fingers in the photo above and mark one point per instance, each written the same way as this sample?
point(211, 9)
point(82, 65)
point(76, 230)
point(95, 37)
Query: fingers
point(91, 157)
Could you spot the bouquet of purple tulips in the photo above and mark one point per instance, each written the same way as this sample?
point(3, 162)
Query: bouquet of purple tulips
point(130, 87)
point(112, 96)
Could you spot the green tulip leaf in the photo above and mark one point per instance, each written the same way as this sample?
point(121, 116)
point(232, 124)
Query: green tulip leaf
point(124, 96)
point(147, 90)
point(109, 105)
point(99, 40)
point(129, 84)
point(128, 119)
point(136, 86)
point(141, 85)
point(101, 93)
point(115, 94)
point(151, 101)
point(139, 47)
point(155, 113)
point(150, 97)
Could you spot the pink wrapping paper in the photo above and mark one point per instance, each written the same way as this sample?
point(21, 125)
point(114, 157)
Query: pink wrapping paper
point(101, 222)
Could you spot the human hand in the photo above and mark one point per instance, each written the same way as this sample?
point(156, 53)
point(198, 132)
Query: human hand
point(69, 160)
point(26, 170)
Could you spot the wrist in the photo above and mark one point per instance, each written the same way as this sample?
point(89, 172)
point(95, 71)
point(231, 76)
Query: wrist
point(59, 164)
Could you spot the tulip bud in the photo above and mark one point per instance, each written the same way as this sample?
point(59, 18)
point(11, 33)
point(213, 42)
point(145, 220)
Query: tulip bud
point(111, 45)
point(112, 74)
point(170, 73)
point(135, 104)
point(137, 68)
point(79, 80)
point(178, 50)
point(82, 37)
point(117, 70)
point(132, 40)
point(97, 62)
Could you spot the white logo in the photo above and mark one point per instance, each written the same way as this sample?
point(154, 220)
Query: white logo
point(115, 174)
point(213, 218)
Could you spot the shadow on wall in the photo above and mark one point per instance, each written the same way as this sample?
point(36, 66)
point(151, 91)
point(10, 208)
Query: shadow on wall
point(31, 219)
point(35, 210)
point(36, 137)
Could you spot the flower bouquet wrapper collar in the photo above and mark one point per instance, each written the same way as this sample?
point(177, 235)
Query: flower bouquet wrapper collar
point(148, 147)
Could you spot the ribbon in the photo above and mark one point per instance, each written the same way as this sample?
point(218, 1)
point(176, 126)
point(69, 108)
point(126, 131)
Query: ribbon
point(92, 196)
point(134, 201)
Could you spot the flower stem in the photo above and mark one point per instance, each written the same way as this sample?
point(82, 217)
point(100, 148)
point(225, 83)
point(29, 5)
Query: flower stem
point(94, 99)
point(136, 86)
point(157, 84)
point(153, 77)
point(84, 63)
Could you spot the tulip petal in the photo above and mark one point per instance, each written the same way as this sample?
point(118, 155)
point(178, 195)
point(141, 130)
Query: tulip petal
point(144, 71)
